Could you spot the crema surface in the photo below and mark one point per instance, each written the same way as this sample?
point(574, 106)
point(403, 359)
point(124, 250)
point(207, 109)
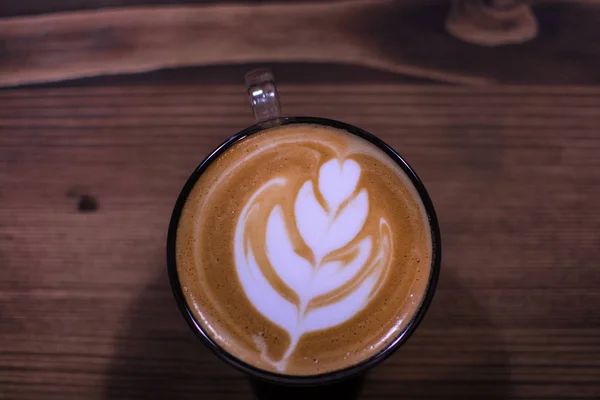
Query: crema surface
point(303, 249)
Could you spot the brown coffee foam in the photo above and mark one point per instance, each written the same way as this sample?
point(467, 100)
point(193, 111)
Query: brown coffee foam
point(205, 259)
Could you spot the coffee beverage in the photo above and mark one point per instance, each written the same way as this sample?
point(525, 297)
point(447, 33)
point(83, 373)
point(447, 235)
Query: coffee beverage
point(303, 249)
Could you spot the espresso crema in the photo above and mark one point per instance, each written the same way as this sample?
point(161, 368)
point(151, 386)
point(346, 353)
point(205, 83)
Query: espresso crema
point(303, 249)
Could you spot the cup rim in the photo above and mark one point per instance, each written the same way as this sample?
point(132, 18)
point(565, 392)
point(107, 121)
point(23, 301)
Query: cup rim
point(327, 377)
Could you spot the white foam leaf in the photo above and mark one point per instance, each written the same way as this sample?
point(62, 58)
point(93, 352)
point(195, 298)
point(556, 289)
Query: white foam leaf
point(264, 297)
point(294, 270)
point(311, 219)
point(334, 275)
point(348, 223)
point(337, 181)
point(259, 291)
point(341, 311)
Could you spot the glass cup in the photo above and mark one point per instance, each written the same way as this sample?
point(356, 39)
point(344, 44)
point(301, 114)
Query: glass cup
point(267, 110)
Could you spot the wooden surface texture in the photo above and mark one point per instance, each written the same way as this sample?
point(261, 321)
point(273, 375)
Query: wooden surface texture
point(85, 307)
point(90, 170)
point(405, 37)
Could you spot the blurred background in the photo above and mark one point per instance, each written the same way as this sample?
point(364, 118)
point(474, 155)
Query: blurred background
point(107, 106)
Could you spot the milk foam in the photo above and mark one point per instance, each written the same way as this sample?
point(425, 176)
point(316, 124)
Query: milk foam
point(329, 228)
point(299, 250)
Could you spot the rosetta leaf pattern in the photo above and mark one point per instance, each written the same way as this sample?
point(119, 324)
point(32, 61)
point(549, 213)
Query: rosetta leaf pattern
point(325, 226)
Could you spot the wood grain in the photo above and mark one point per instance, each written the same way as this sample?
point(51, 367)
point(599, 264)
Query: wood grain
point(394, 37)
point(81, 44)
point(85, 306)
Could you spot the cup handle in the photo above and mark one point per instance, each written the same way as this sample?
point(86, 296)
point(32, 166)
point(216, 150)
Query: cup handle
point(263, 95)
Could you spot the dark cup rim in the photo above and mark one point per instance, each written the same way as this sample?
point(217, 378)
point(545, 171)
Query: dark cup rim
point(328, 377)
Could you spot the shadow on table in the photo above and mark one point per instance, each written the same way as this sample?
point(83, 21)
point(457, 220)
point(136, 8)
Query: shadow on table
point(456, 353)
point(347, 390)
point(158, 357)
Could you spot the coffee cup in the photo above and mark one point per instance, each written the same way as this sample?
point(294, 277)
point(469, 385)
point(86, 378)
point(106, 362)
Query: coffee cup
point(302, 250)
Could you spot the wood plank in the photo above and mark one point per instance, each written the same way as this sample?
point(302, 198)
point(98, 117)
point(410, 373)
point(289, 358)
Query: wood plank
point(33, 7)
point(404, 38)
point(85, 306)
point(82, 44)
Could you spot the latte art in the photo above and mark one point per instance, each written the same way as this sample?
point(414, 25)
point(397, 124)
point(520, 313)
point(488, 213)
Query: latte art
point(343, 264)
point(303, 249)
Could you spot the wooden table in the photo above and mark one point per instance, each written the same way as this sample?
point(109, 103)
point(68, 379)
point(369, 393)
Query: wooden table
point(90, 170)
